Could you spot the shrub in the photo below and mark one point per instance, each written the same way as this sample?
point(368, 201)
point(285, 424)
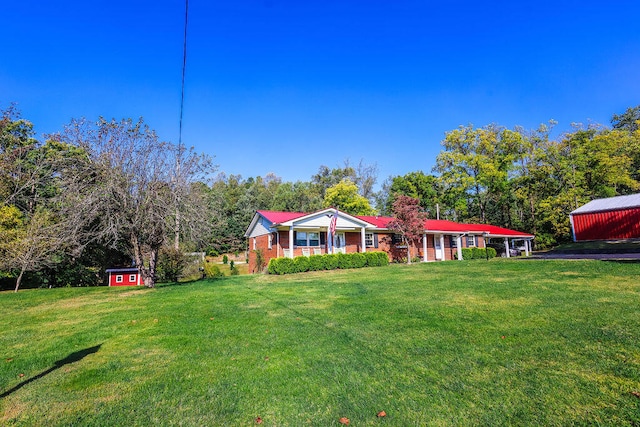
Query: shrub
point(326, 262)
point(260, 262)
point(344, 261)
point(476, 253)
point(316, 262)
point(272, 267)
point(330, 262)
point(492, 252)
point(225, 259)
point(376, 259)
point(300, 264)
point(233, 270)
point(212, 271)
point(171, 264)
point(358, 260)
point(280, 266)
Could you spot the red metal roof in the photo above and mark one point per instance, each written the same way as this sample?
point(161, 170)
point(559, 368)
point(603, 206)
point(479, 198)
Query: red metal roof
point(495, 230)
point(377, 221)
point(278, 217)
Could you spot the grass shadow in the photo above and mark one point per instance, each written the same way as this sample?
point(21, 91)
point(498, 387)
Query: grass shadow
point(72, 358)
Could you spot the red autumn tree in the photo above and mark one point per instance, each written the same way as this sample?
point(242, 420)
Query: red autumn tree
point(408, 221)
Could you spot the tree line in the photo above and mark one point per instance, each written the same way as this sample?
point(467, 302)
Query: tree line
point(111, 193)
point(516, 178)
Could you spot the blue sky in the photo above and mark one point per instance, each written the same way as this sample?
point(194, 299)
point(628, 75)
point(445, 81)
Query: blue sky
point(286, 86)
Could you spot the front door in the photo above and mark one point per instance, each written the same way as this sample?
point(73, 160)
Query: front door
point(340, 244)
point(437, 243)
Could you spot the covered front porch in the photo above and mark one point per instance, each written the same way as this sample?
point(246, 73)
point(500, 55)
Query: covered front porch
point(325, 232)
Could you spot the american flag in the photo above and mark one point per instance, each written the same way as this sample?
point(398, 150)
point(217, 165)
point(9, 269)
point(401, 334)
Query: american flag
point(332, 225)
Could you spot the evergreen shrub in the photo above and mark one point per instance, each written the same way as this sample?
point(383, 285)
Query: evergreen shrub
point(316, 262)
point(326, 262)
point(301, 264)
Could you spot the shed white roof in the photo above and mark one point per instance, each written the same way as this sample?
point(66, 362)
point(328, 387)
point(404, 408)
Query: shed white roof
point(610, 204)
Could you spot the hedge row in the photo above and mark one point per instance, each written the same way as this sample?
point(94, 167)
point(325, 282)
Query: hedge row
point(301, 264)
point(477, 253)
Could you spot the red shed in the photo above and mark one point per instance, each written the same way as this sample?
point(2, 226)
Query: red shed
point(612, 218)
point(123, 277)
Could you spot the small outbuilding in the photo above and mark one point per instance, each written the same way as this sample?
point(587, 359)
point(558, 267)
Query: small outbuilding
point(123, 276)
point(613, 218)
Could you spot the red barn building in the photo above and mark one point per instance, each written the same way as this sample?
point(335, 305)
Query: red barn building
point(123, 277)
point(613, 218)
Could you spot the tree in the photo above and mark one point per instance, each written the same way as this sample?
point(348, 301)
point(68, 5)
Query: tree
point(296, 197)
point(425, 188)
point(29, 245)
point(629, 120)
point(344, 196)
point(478, 162)
point(188, 199)
point(408, 221)
point(363, 175)
point(33, 234)
point(125, 192)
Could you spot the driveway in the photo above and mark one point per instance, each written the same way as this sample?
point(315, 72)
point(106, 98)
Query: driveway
point(620, 256)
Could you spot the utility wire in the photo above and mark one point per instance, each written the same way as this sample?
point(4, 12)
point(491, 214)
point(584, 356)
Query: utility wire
point(184, 68)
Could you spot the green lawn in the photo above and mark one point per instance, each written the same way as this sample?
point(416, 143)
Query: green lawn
point(506, 342)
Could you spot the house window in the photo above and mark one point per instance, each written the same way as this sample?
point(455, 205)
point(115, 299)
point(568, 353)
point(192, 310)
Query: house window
point(368, 239)
point(314, 239)
point(397, 239)
point(301, 238)
point(132, 278)
point(304, 238)
point(119, 278)
point(454, 241)
point(471, 241)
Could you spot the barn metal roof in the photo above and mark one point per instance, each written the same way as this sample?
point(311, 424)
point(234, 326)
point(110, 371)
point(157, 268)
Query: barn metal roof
point(610, 204)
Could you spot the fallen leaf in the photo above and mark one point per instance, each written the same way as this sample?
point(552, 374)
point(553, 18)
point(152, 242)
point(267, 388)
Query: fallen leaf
point(211, 318)
point(266, 358)
point(10, 359)
point(382, 414)
point(258, 420)
point(344, 420)
point(636, 394)
point(21, 375)
point(503, 337)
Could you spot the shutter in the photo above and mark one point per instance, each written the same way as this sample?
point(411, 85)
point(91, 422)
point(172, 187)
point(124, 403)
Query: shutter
point(375, 240)
point(323, 238)
point(295, 239)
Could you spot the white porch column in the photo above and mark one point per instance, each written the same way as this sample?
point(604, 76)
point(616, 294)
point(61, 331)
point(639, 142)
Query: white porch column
point(424, 247)
point(364, 240)
point(291, 242)
point(444, 256)
point(526, 248)
point(506, 248)
point(459, 246)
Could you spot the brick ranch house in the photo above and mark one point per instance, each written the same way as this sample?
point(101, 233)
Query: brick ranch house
point(291, 234)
